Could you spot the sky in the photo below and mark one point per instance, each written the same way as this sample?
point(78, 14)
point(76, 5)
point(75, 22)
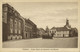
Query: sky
point(51, 14)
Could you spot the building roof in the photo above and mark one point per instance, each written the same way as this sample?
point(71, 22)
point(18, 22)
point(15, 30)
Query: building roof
point(41, 29)
point(29, 21)
point(53, 28)
point(74, 29)
point(8, 5)
point(61, 28)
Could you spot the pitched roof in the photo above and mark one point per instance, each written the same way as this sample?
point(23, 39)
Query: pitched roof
point(61, 28)
point(29, 21)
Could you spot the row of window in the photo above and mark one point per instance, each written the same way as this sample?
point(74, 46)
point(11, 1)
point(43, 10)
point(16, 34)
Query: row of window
point(5, 9)
point(52, 31)
point(66, 35)
point(14, 24)
point(62, 32)
point(17, 26)
point(28, 27)
point(5, 17)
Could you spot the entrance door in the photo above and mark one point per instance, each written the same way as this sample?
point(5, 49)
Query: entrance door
point(26, 35)
point(63, 35)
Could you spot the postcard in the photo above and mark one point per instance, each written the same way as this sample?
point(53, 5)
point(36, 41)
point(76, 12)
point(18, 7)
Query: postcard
point(48, 26)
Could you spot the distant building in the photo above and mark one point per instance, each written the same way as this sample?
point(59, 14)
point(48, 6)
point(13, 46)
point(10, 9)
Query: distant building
point(12, 23)
point(60, 32)
point(73, 32)
point(40, 32)
point(65, 31)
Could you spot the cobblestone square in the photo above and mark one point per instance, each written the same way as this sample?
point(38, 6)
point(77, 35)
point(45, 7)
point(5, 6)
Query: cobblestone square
point(42, 43)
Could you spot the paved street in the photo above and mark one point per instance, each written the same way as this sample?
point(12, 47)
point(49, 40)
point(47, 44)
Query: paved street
point(42, 43)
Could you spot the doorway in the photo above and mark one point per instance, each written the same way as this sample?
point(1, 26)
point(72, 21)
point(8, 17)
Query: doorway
point(26, 35)
point(63, 35)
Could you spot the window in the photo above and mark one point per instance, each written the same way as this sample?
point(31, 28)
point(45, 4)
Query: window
point(15, 14)
point(10, 10)
point(15, 25)
point(19, 27)
point(5, 8)
point(11, 25)
point(5, 17)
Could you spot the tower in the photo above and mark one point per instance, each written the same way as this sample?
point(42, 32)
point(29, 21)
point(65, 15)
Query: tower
point(67, 24)
point(47, 29)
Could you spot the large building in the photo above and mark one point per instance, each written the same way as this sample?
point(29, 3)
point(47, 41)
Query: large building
point(15, 26)
point(12, 23)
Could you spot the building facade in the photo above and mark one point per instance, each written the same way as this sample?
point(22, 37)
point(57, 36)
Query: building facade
point(12, 23)
point(73, 32)
point(15, 26)
point(61, 31)
point(40, 32)
point(30, 29)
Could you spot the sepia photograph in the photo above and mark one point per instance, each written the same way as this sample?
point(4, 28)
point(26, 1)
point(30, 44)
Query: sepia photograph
point(40, 25)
